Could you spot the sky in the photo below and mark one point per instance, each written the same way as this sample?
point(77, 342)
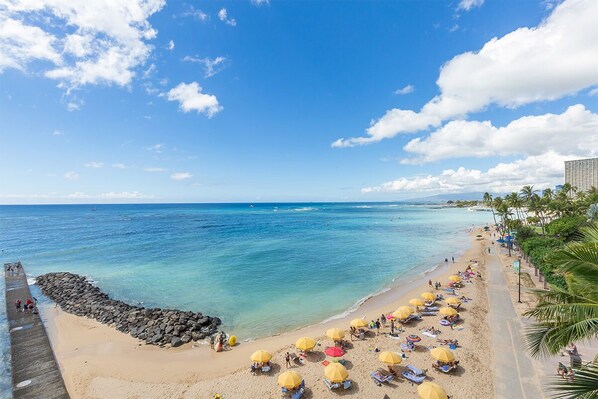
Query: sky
point(257, 101)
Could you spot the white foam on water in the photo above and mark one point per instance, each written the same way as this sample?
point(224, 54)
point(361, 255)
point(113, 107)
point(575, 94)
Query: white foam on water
point(305, 209)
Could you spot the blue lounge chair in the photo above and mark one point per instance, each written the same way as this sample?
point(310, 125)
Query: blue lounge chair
point(298, 394)
point(414, 378)
point(331, 385)
point(430, 313)
point(415, 370)
point(380, 378)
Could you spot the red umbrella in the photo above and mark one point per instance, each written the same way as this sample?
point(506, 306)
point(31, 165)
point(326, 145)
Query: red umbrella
point(413, 338)
point(334, 351)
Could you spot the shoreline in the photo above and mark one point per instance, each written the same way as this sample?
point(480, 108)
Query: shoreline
point(89, 352)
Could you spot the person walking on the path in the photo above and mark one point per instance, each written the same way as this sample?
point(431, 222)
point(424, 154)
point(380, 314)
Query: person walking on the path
point(18, 305)
point(453, 259)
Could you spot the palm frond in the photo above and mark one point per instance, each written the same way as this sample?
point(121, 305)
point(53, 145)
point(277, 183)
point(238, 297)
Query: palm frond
point(583, 386)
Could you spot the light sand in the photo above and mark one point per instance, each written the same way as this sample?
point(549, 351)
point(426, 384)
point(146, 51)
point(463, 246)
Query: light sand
point(99, 362)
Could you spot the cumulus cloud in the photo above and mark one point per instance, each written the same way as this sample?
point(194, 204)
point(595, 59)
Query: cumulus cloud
point(191, 98)
point(196, 14)
point(181, 176)
point(155, 169)
point(546, 62)
point(212, 66)
point(80, 42)
point(467, 5)
point(259, 3)
point(171, 45)
point(223, 16)
point(72, 175)
point(574, 131)
point(405, 90)
point(542, 171)
point(95, 165)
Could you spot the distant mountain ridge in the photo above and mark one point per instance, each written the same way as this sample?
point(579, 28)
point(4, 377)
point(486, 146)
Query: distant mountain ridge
point(473, 196)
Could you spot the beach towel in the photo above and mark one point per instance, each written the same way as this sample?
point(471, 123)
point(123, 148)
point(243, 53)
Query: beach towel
point(429, 334)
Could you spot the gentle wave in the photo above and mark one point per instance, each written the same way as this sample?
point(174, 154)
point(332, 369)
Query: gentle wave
point(361, 206)
point(356, 305)
point(305, 209)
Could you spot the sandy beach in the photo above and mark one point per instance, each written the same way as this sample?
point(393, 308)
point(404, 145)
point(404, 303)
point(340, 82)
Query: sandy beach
point(99, 362)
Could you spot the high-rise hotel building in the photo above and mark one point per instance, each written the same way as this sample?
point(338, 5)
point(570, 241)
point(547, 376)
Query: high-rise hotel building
point(582, 173)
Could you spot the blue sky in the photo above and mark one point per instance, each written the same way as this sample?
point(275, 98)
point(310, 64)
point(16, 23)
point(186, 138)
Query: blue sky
point(291, 101)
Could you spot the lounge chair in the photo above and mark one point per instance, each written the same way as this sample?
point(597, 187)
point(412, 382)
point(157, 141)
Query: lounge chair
point(331, 385)
point(445, 368)
point(298, 394)
point(266, 369)
point(428, 313)
point(407, 348)
point(415, 370)
point(414, 378)
point(347, 384)
point(380, 378)
point(431, 308)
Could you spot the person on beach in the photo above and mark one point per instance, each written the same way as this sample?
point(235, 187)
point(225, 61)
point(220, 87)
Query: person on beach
point(18, 305)
point(383, 320)
point(377, 324)
point(453, 259)
point(287, 359)
point(392, 327)
point(430, 283)
point(445, 260)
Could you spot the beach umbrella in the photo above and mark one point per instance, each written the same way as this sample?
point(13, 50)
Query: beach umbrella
point(406, 309)
point(335, 372)
point(261, 356)
point(401, 314)
point(305, 343)
point(334, 351)
point(390, 358)
point(442, 354)
point(289, 379)
point(413, 338)
point(453, 301)
point(358, 323)
point(429, 390)
point(416, 302)
point(448, 311)
point(428, 296)
point(335, 334)
point(454, 278)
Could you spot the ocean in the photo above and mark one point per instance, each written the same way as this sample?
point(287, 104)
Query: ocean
point(262, 268)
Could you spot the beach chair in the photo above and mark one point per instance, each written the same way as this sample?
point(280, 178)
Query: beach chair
point(380, 378)
point(407, 348)
point(347, 384)
point(445, 368)
point(431, 308)
point(266, 369)
point(298, 394)
point(417, 379)
point(331, 385)
point(430, 313)
point(415, 370)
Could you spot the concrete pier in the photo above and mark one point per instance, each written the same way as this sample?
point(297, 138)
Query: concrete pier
point(35, 373)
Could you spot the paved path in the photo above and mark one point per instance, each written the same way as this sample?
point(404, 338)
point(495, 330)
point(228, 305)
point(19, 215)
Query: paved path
point(35, 373)
point(515, 376)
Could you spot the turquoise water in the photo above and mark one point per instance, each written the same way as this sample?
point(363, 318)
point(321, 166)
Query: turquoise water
point(262, 269)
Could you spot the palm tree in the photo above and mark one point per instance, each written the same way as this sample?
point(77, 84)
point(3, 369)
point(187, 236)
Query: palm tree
point(567, 315)
point(488, 202)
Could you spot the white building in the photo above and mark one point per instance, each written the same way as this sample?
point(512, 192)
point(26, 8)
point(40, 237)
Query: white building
point(582, 173)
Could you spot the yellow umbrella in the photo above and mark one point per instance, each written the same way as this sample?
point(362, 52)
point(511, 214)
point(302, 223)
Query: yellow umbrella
point(335, 372)
point(453, 301)
point(261, 356)
point(401, 314)
point(358, 323)
point(335, 334)
point(442, 354)
point(448, 311)
point(455, 278)
point(289, 379)
point(428, 296)
point(390, 358)
point(429, 390)
point(416, 302)
point(405, 309)
point(305, 344)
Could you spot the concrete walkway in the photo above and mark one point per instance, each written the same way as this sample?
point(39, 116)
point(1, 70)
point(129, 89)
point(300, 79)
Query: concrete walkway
point(514, 373)
point(35, 373)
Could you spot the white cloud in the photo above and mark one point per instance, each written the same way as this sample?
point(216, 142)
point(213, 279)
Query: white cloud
point(197, 14)
point(57, 133)
point(575, 131)
point(547, 62)
point(119, 166)
point(467, 5)
point(181, 176)
point(223, 16)
point(125, 195)
point(405, 90)
point(157, 148)
point(72, 175)
point(191, 98)
point(259, 3)
point(95, 165)
point(171, 45)
point(155, 169)
point(81, 42)
point(212, 66)
point(542, 171)
point(593, 92)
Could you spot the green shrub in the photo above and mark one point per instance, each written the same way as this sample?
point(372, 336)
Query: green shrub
point(566, 227)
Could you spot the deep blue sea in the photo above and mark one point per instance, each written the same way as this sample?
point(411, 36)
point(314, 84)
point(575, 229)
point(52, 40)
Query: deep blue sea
point(262, 268)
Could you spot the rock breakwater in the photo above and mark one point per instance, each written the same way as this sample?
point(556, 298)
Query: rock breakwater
point(76, 295)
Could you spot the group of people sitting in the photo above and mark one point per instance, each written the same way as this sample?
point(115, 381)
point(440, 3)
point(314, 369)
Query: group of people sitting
point(448, 341)
point(431, 330)
point(260, 366)
point(445, 367)
point(566, 373)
